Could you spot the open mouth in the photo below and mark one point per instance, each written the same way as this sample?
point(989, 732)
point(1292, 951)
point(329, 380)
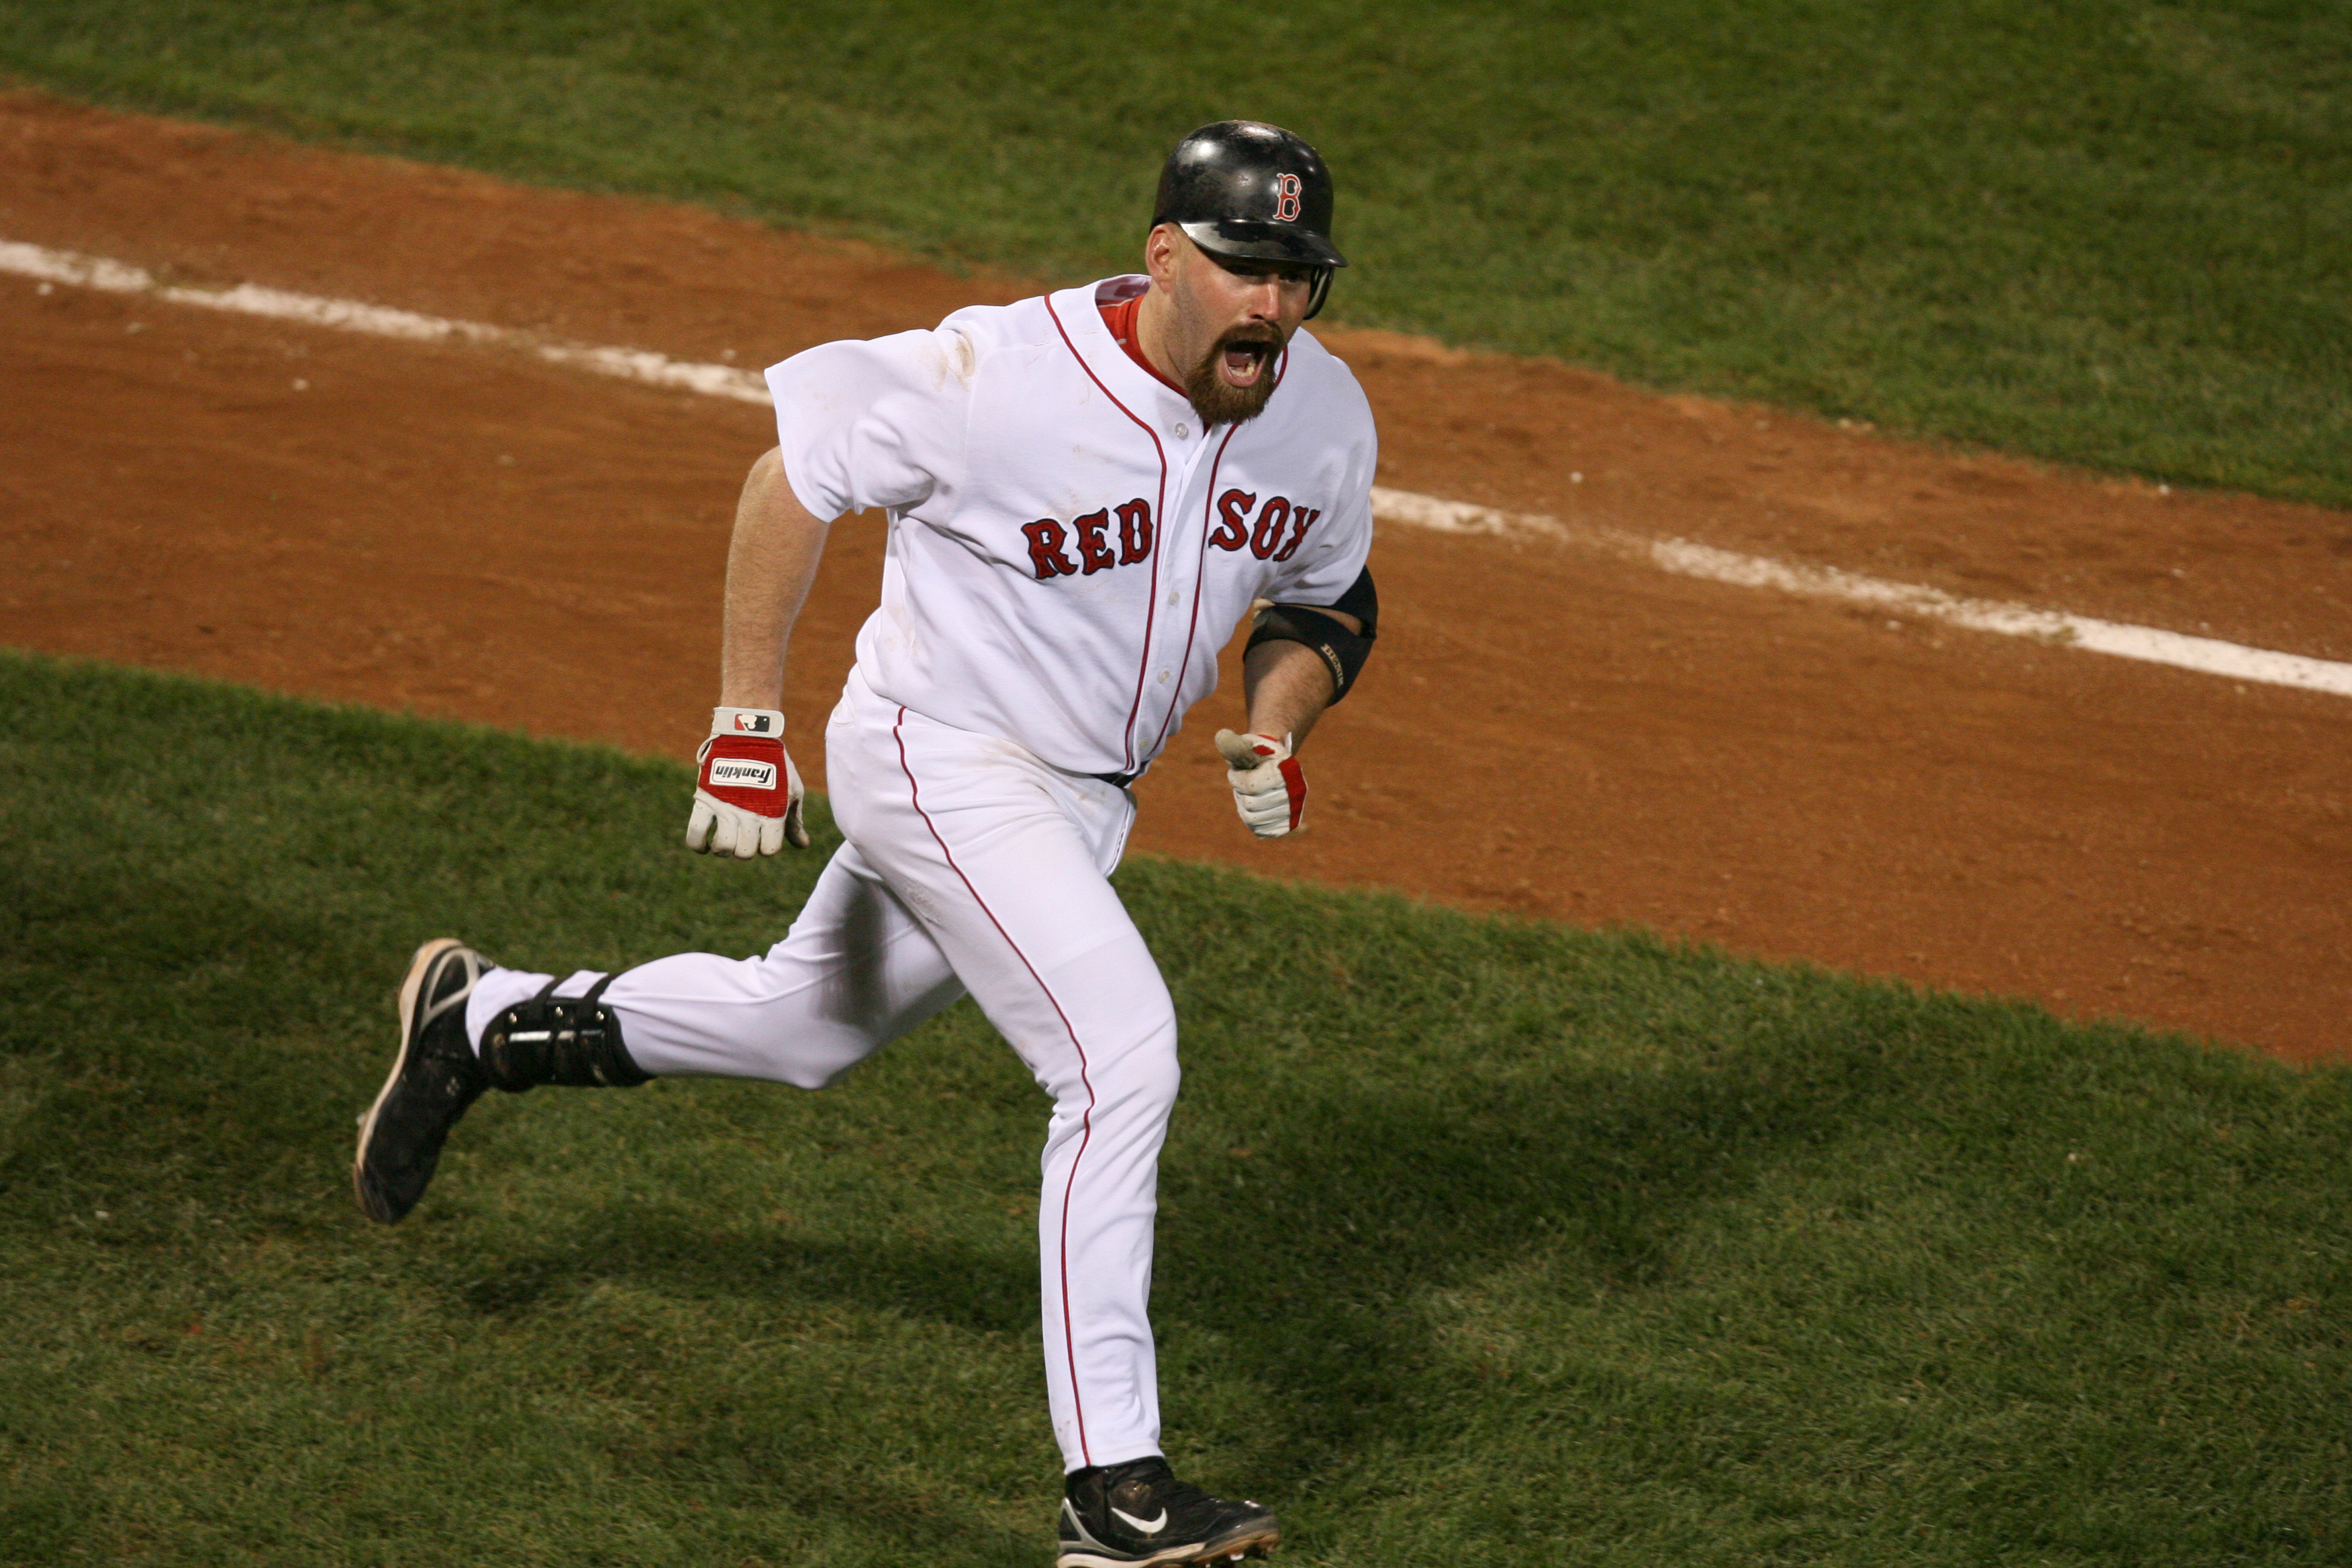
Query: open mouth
point(1234, 380)
point(1243, 361)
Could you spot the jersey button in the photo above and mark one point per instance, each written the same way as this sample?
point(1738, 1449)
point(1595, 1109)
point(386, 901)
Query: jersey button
point(1181, 432)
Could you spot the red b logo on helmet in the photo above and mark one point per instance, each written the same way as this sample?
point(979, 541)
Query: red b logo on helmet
point(1286, 198)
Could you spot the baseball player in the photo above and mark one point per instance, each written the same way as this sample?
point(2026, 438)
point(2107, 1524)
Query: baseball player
point(1084, 491)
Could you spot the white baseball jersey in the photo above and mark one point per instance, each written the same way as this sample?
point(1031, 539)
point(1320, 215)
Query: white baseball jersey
point(1069, 549)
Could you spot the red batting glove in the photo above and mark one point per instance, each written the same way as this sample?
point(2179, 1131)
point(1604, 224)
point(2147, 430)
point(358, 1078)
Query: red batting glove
point(747, 800)
point(1269, 787)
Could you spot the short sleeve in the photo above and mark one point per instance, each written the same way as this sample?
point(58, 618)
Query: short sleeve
point(1333, 557)
point(1333, 554)
point(874, 423)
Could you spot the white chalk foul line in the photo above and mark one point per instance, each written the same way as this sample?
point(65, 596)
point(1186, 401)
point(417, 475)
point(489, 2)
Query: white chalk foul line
point(352, 316)
point(2209, 656)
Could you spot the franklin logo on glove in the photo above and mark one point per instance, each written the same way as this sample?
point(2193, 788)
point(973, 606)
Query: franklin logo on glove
point(743, 774)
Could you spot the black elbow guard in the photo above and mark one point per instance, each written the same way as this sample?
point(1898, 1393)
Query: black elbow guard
point(1343, 651)
point(1362, 600)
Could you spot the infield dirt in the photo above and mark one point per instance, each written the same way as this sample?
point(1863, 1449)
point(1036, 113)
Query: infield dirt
point(471, 533)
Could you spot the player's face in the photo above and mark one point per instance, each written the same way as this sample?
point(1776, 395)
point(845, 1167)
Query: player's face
point(1228, 322)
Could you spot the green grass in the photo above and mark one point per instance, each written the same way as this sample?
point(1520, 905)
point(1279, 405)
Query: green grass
point(2110, 232)
point(1483, 1242)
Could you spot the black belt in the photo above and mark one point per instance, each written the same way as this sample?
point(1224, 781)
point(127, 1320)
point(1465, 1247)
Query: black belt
point(1122, 780)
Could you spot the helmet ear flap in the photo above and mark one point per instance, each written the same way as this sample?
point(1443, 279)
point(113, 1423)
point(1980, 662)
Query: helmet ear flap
point(1321, 291)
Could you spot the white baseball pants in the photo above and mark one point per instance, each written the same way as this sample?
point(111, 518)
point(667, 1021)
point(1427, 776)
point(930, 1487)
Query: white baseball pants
point(970, 865)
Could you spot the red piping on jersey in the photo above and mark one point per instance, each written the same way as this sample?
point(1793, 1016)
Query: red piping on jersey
point(1121, 319)
point(1200, 579)
point(1087, 1121)
point(1159, 519)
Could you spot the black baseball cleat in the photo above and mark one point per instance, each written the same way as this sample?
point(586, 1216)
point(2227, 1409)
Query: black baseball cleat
point(1114, 1516)
point(434, 1079)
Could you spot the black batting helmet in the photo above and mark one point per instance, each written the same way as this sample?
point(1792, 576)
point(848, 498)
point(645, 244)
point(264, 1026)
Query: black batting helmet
point(1256, 192)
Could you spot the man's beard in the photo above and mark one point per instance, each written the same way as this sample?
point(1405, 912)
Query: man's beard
point(1218, 401)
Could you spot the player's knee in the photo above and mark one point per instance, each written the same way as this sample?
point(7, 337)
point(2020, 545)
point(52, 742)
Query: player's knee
point(1142, 1078)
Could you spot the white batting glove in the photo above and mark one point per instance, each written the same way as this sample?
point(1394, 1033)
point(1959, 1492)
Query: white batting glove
point(1269, 787)
point(747, 798)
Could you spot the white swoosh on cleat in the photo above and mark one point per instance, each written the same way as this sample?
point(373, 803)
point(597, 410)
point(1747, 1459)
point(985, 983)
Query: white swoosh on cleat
point(1153, 1527)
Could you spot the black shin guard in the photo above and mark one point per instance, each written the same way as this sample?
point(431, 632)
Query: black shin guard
point(571, 1040)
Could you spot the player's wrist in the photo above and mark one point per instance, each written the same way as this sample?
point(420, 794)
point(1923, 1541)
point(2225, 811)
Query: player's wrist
point(766, 723)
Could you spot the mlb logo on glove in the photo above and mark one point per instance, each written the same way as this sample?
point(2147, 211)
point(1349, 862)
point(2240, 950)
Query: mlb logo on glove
point(755, 723)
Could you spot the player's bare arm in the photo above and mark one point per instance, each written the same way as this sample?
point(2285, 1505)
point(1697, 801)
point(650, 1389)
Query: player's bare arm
point(1288, 685)
point(1299, 661)
point(772, 561)
point(747, 799)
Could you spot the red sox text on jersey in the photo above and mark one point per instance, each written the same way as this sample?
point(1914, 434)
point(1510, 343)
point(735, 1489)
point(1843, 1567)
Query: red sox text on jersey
point(1280, 529)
